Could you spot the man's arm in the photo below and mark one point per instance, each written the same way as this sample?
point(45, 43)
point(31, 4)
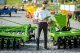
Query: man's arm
point(35, 19)
point(50, 16)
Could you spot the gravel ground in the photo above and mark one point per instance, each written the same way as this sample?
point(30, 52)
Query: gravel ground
point(30, 47)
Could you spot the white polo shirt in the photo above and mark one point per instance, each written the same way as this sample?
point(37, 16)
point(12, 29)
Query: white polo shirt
point(41, 14)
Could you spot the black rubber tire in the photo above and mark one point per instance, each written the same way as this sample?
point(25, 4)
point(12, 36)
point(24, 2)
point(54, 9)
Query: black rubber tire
point(16, 11)
point(0, 13)
point(10, 14)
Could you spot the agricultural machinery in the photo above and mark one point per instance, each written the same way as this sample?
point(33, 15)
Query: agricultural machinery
point(65, 37)
point(15, 36)
point(7, 11)
point(30, 10)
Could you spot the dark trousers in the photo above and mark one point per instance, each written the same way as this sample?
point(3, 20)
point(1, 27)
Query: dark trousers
point(42, 26)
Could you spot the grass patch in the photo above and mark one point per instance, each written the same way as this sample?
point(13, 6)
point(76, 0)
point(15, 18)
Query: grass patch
point(11, 2)
point(52, 7)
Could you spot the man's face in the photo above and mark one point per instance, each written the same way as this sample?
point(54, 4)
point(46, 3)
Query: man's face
point(44, 6)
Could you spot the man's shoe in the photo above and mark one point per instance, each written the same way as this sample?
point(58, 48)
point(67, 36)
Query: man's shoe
point(37, 48)
point(46, 48)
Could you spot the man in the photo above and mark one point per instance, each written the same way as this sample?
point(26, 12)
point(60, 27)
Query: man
point(24, 1)
point(5, 8)
point(34, 1)
point(40, 16)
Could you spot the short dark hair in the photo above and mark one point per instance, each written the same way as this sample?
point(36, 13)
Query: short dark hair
point(45, 2)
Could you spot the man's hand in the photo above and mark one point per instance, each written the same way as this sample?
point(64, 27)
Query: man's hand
point(51, 19)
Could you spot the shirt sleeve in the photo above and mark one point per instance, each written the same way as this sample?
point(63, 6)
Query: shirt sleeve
point(48, 13)
point(36, 14)
point(51, 16)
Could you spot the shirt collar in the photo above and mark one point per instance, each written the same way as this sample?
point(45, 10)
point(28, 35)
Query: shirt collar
point(42, 9)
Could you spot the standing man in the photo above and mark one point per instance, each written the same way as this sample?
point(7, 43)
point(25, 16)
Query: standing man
point(40, 15)
point(34, 1)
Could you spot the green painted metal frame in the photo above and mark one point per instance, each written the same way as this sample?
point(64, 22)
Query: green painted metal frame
point(60, 21)
point(18, 32)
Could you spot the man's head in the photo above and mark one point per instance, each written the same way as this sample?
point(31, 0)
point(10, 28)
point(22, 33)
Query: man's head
point(44, 4)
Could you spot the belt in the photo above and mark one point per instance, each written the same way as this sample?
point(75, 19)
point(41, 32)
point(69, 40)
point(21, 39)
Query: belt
point(43, 21)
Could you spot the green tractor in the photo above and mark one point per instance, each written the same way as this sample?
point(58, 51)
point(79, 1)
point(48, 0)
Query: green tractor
point(65, 37)
point(15, 36)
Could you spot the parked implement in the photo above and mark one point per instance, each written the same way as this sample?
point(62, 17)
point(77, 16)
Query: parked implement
point(65, 37)
point(30, 10)
point(7, 11)
point(15, 36)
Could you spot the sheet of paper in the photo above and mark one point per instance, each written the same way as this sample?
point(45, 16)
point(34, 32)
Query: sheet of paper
point(72, 7)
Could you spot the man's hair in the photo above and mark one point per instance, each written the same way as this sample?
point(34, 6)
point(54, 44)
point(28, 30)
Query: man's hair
point(45, 2)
